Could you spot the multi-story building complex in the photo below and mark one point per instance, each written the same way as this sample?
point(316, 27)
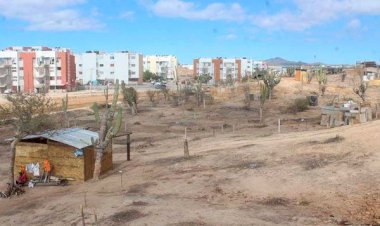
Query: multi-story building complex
point(94, 65)
point(221, 68)
point(36, 69)
point(165, 66)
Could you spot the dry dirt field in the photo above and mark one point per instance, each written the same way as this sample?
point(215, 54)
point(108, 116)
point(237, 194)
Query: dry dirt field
point(243, 175)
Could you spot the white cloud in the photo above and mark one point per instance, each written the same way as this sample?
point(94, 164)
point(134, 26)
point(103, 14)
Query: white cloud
point(354, 24)
point(189, 10)
point(229, 37)
point(310, 13)
point(48, 15)
point(129, 15)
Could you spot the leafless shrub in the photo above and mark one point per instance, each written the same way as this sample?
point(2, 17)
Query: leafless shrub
point(151, 95)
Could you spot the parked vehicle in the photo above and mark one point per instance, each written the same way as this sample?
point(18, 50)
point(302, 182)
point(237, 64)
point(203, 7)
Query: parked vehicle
point(159, 85)
point(8, 91)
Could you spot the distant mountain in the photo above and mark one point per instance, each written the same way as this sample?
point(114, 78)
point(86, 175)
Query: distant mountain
point(278, 61)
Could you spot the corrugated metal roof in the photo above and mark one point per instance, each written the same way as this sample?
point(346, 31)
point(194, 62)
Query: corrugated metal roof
point(74, 137)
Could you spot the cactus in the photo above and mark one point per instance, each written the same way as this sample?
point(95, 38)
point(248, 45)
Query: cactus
point(264, 94)
point(360, 90)
point(321, 76)
point(130, 97)
point(271, 80)
point(109, 126)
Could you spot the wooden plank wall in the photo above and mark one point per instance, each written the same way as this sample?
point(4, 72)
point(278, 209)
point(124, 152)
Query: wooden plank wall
point(89, 159)
point(27, 153)
point(61, 157)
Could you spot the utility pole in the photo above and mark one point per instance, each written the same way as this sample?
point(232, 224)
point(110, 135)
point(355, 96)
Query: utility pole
point(91, 69)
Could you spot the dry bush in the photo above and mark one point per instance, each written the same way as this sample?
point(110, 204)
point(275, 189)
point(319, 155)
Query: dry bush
point(247, 97)
point(275, 201)
point(152, 96)
point(299, 105)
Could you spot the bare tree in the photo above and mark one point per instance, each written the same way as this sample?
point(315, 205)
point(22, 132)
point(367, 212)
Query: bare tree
point(264, 94)
point(28, 114)
point(310, 76)
point(109, 126)
point(247, 97)
point(130, 97)
point(321, 76)
point(271, 80)
point(165, 93)
point(151, 95)
point(360, 90)
point(198, 92)
point(65, 103)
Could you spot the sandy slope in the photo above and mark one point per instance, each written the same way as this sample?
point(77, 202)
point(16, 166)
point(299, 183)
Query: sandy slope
point(232, 179)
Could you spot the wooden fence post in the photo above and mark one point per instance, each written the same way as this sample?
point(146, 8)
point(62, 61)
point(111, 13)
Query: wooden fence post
point(128, 147)
point(186, 146)
point(82, 215)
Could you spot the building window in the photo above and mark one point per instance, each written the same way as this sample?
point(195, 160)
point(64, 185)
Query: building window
point(101, 65)
point(112, 72)
point(58, 68)
point(21, 68)
point(133, 72)
point(133, 57)
point(80, 72)
point(112, 57)
point(133, 65)
point(80, 65)
point(112, 65)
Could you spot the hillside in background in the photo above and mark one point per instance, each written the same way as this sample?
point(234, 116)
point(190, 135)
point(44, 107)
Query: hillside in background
point(278, 61)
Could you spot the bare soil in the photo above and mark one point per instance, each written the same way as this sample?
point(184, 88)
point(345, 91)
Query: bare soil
point(245, 174)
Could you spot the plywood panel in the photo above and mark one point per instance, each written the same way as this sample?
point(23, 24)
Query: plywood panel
point(89, 162)
point(62, 159)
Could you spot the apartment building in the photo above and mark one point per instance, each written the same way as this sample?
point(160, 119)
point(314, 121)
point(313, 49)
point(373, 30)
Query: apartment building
point(220, 68)
point(36, 69)
point(162, 65)
point(94, 65)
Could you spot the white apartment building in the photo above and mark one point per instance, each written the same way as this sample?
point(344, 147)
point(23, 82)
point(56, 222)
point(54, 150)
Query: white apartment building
point(36, 69)
point(162, 65)
point(94, 65)
point(220, 68)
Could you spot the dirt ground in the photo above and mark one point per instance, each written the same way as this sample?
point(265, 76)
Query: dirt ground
point(243, 174)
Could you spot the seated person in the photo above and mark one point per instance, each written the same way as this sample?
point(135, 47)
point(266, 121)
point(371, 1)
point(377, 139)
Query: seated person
point(22, 179)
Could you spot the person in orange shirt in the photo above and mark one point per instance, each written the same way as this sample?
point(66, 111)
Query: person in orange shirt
point(47, 169)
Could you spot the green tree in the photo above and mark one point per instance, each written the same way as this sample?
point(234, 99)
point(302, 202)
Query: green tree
point(203, 78)
point(150, 76)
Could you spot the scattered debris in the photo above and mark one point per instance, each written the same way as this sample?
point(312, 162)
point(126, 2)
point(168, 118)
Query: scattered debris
point(127, 216)
point(275, 201)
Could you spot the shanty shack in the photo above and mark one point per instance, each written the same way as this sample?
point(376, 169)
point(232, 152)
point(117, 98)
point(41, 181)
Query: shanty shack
point(69, 151)
point(301, 75)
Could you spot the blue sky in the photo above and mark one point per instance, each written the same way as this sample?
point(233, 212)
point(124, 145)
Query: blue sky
point(331, 31)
